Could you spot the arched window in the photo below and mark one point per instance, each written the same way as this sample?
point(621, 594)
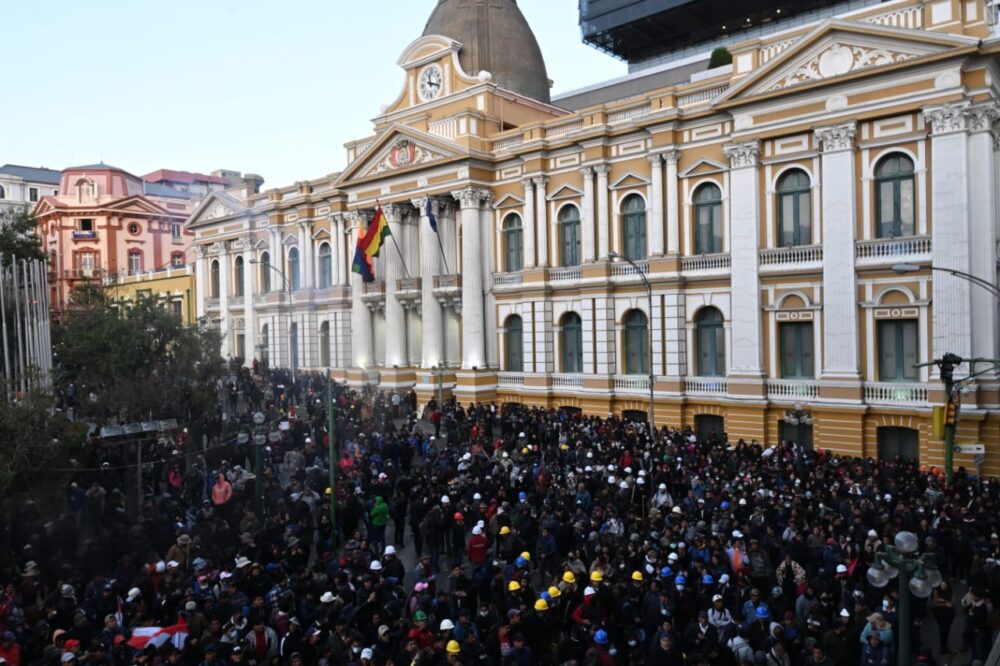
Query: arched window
point(711, 339)
point(135, 261)
point(572, 343)
point(569, 235)
point(293, 268)
point(265, 272)
point(634, 227)
point(177, 260)
point(214, 286)
point(324, 344)
point(794, 209)
point(513, 243)
point(325, 266)
point(238, 277)
point(636, 343)
point(708, 219)
point(894, 196)
point(515, 344)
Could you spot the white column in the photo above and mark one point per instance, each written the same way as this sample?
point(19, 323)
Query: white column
point(343, 252)
point(473, 341)
point(201, 284)
point(395, 316)
point(589, 248)
point(673, 210)
point(486, 254)
point(746, 356)
point(431, 352)
point(249, 314)
point(603, 225)
point(305, 257)
point(981, 188)
point(528, 223)
point(361, 324)
point(950, 238)
point(676, 332)
point(225, 266)
point(840, 310)
point(656, 214)
point(542, 219)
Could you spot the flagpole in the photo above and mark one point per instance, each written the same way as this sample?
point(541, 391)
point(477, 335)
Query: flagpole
point(447, 270)
point(393, 237)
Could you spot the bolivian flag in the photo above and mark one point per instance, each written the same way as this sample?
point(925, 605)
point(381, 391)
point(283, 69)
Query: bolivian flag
point(369, 245)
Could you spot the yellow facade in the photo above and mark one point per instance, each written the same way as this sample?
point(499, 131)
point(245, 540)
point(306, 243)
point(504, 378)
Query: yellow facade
point(174, 288)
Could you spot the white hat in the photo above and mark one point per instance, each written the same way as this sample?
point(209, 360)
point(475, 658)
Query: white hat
point(588, 469)
point(66, 656)
point(367, 653)
point(520, 434)
point(445, 499)
point(628, 470)
point(587, 591)
point(447, 624)
point(327, 598)
point(642, 472)
point(676, 509)
point(477, 496)
point(611, 468)
point(375, 565)
point(161, 566)
point(841, 568)
point(133, 594)
point(723, 579)
point(623, 485)
point(672, 557)
point(663, 486)
point(737, 534)
point(743, 501)
point(467, 456)
point(477, 530)
point(590, 454)
point(242, 562)
point(390, 550)
point(872, 534)
point(611, 479)
point(173, 564)
point(717, 597)
point(641, 481)
point(844, 613)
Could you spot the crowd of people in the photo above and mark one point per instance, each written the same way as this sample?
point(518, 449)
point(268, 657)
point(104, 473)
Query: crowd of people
point(480, 534)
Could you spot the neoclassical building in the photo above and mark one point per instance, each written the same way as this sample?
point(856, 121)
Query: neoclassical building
point(786, 210)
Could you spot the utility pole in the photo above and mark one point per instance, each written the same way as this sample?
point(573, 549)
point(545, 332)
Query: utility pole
point(332, 455)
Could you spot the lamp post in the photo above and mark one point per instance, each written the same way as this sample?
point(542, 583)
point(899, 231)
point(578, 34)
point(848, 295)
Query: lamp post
point(292, 353)
point(332, 455)
point(918, 575)
point(649, 334)
point(258, 439)
point(798, 417)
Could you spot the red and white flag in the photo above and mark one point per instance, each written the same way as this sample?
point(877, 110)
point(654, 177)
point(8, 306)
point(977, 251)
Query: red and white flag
point(158, 636)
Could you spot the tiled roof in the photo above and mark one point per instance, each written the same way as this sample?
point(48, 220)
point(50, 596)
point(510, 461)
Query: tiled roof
point(33, 174)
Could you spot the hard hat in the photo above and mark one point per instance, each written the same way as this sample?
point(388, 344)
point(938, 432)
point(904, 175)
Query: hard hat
point(522, 495)
point(328, 491)
point(458, 516)
point(589, 591)
point(454, 647)
point(637, 576)
point(521, 562)
point(541, 605)
point(568, 577)
point(504, 530)
point(477, 530)
point(554, 592)
point(596, 576)
point(707, 580)
point(445, 499)
point(762, 612)
point(545, 595)
point(681, 580)
point(526, 555)
point(513, 586)
point(477, 496)
point(447, 624)
point(601, 637)
point(666, 572)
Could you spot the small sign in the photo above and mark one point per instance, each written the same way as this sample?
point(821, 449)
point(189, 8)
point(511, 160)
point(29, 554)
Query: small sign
point(132, 428)
point(970, 449)
point(150, 426)
point(111, 431)
point(168, 424)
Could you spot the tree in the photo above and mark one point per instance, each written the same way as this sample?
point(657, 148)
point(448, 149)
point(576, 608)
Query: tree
point(135, 363)
point(720, 57)
point(18, 237)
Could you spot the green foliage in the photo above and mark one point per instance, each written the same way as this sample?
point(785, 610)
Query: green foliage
point(720, 57)
point(137, 362)
point(17, 236)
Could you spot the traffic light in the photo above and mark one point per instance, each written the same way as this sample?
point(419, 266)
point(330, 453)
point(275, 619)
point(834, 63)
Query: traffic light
point(937, 422)
point(950, 414)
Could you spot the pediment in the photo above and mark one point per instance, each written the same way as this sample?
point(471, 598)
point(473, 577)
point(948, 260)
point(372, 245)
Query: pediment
point(215, 206)
point(704, 167)
point(630, 179)
point(262, 244)
point(565, 192)
point(136, 204)
point(398, 148)
point(320, 234)
point(509, 201)
point(837, 48)
point(290, 239)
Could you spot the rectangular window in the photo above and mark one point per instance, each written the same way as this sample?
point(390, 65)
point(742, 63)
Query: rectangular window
point(134, 262)
point(176, 307)
point(87, 263)
point(797, 361)
point(86, 224)
point(177, 261)
point(175, 231)
point(32, 194)
point(711, 351)
point(897, 350)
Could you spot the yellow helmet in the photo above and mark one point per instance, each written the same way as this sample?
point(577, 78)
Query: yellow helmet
point(541, 605)
point(526, 450)
point(504, 530)
point(328, 491)
point(454, 647)
point(596, 576)
point(526, 555)
point(513, 586)
point(568, 577)
point(554, 592)
point(637, 575)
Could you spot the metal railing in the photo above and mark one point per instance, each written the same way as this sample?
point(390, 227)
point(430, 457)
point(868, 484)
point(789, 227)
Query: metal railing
point(895, 393)
point(620, 268)
point(792, 389)
point(706, 262)
point(800, 254)
point(706, 385)
point(631, 384)
point(565, 273)
point(891, 249)
point(84, 235)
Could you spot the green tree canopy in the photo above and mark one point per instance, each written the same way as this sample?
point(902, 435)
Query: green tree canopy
point(18, 238)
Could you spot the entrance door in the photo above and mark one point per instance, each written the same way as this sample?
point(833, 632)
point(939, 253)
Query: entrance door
point(709, 425)
point(894, 441)
point(634, 415)
point(801, 434)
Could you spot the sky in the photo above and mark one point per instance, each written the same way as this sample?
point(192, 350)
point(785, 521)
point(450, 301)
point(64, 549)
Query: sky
point(273, 87)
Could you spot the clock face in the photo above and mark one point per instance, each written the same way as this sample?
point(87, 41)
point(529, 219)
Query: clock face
point(430, 83)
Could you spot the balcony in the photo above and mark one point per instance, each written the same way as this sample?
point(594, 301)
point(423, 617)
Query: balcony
point(510, 379)
point(797, 257)
point(792, 390)
point(408, 289)
point(892, 393)
point(567, 380)
point(893, 250)
point(563, 273)
point(706, 263)
point(507, 279)
point(631, 384)
point(622, 268)
point(84, 235)
point(212, 303)
point(236, 300)
point(373, 292)
point(706, 385)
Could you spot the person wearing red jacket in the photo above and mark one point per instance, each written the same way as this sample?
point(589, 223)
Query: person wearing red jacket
point(478, 548)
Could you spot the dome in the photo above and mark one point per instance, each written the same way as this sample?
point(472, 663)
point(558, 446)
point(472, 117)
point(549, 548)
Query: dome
point(496, 38)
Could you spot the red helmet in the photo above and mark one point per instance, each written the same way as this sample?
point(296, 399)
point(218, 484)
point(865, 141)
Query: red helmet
point(458, 516)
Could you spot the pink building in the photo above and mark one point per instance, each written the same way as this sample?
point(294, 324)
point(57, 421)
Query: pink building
point(106, 221)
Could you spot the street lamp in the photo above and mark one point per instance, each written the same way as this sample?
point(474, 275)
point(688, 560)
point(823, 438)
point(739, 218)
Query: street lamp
point(288, 289)
point(902, 269)
point(649, 335)
point(258, 439)
point(918, 575)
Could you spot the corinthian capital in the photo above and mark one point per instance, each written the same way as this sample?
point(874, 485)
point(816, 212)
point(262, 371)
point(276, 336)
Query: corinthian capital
point(980, 118)
point(947, 118)
point(742, 155)
point(836, 137)
point(672, 157)
point(467, 198)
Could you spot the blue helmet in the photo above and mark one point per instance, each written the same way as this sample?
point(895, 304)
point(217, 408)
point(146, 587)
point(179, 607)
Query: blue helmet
point(725, 505)
point(522, 496)
point(666, 572)
point(707, 580)
point(545, 595)
point(681, 580)
point(601, 637)
point(521, 562)
point(762, 612)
